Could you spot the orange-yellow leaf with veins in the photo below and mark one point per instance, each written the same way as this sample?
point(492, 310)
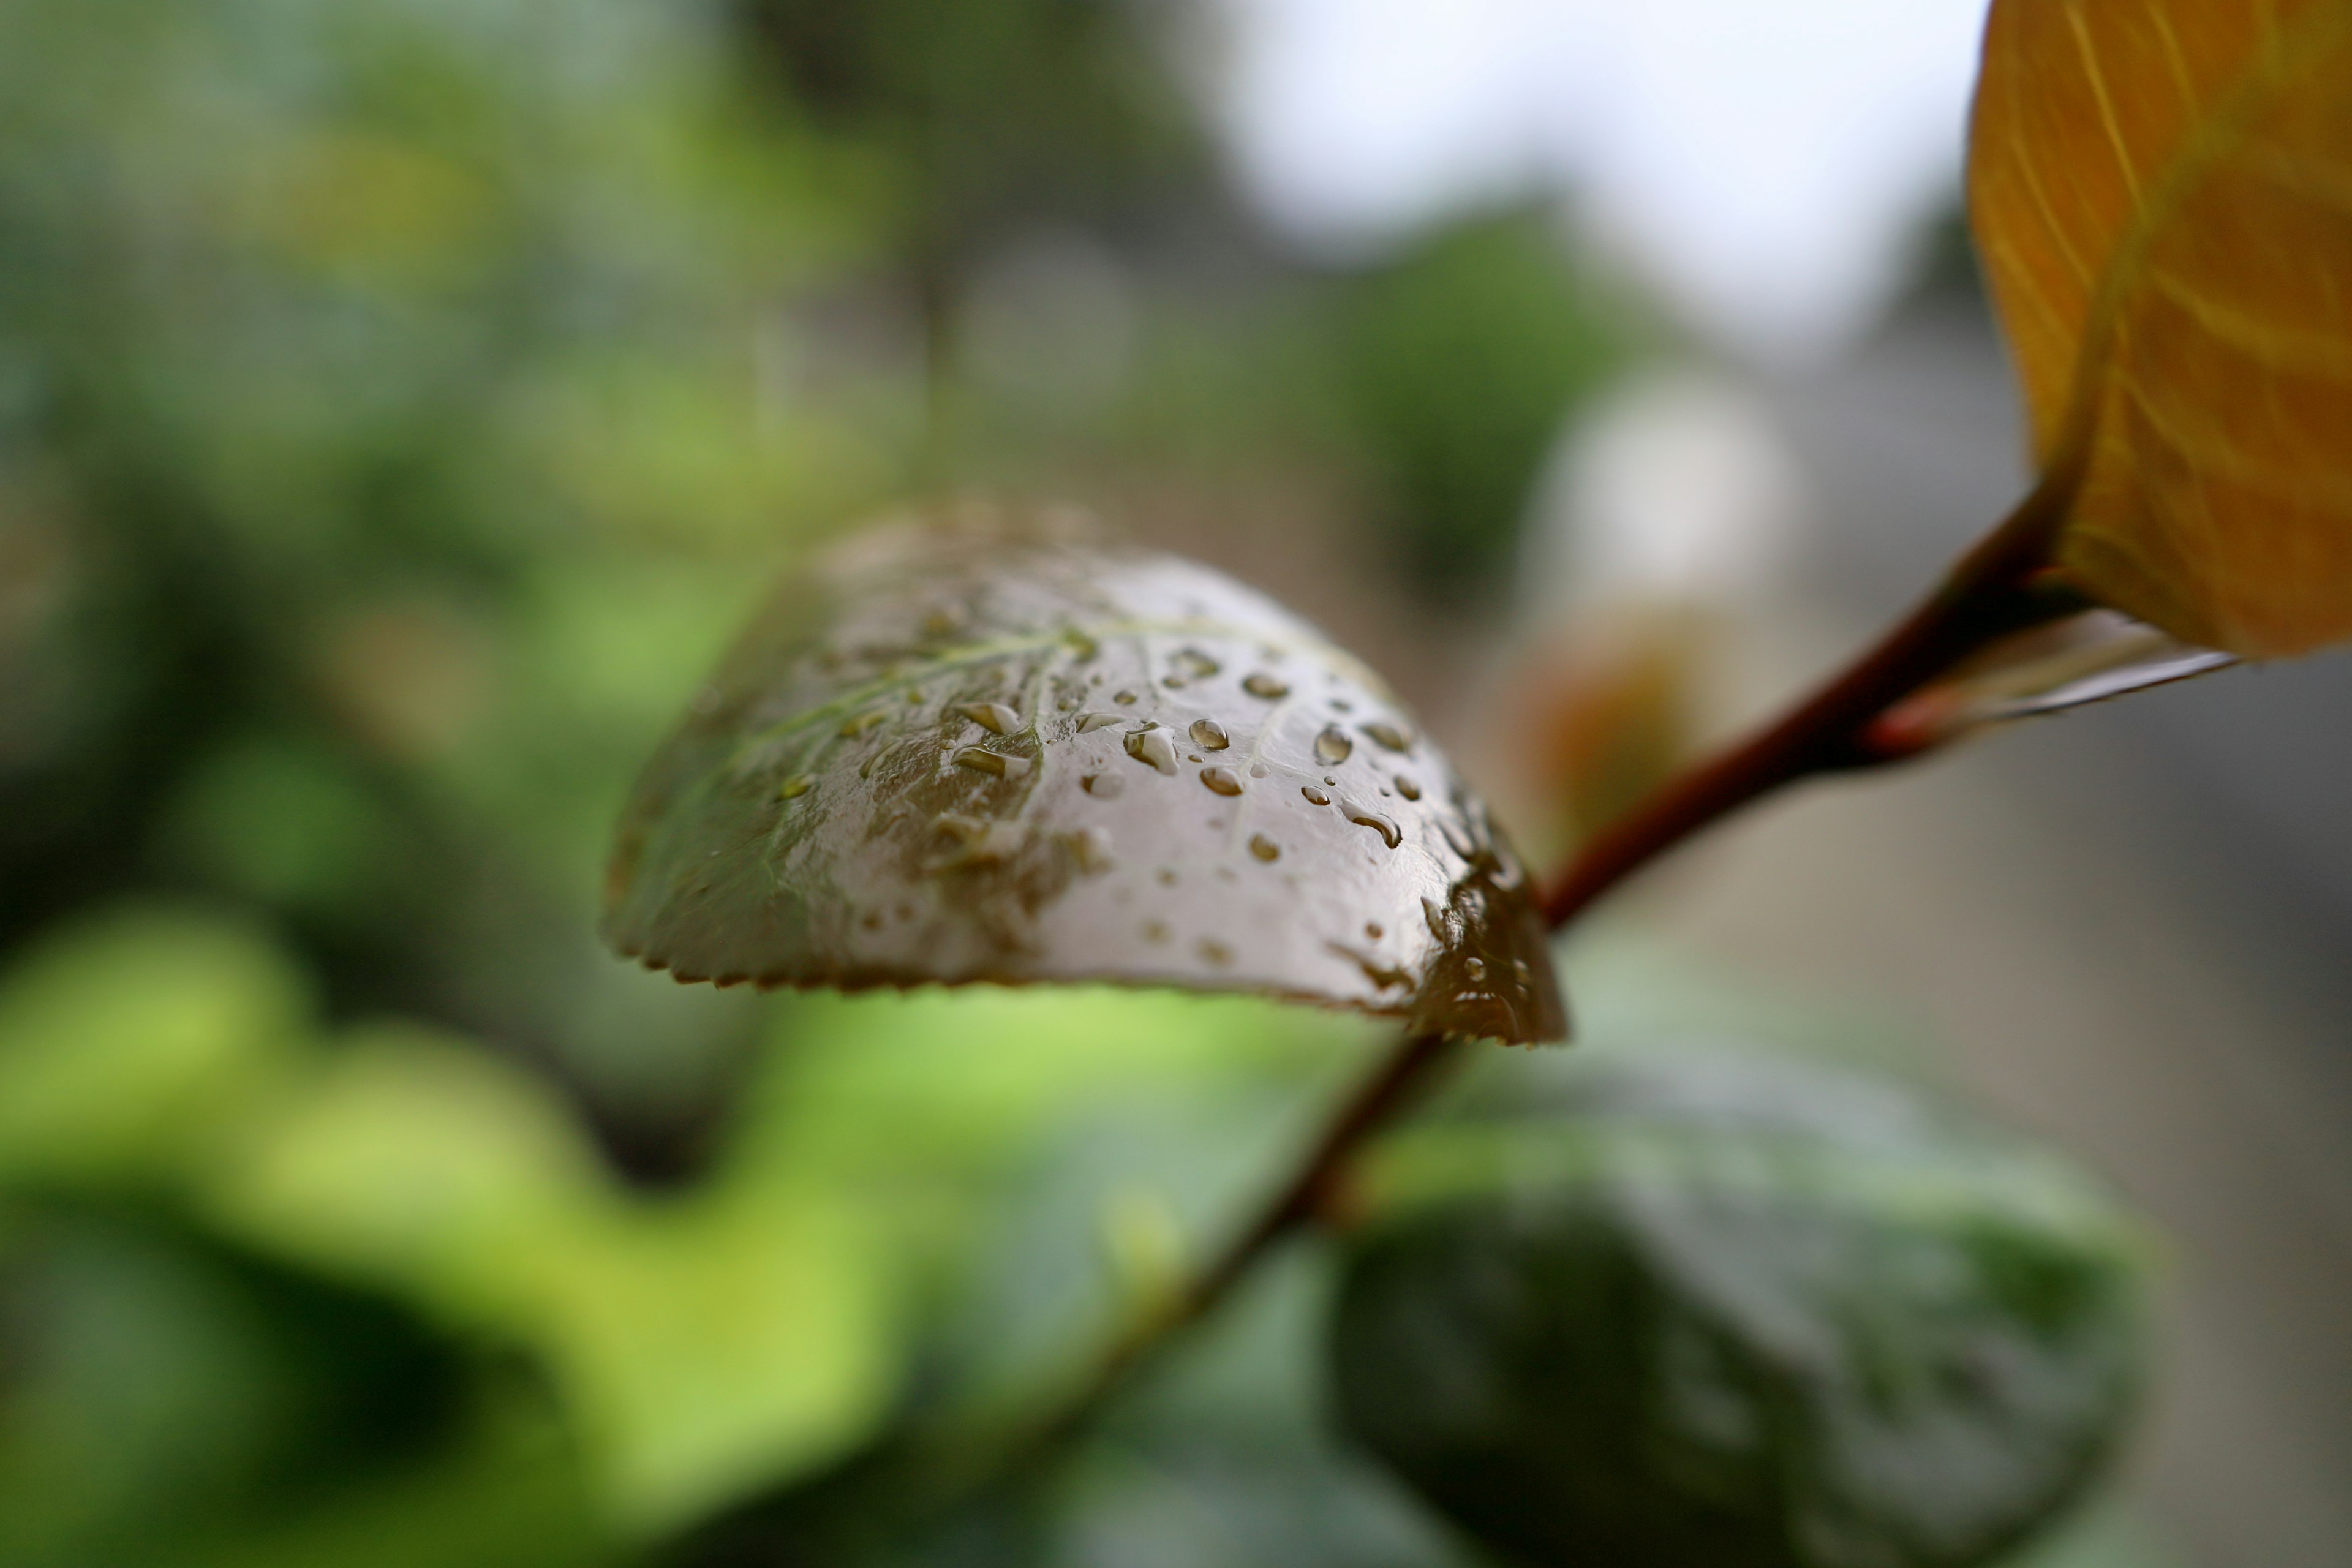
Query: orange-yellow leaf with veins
point(2162, 192)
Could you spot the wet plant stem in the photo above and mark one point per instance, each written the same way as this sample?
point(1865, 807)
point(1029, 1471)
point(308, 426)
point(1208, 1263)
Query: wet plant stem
point(1998, 589)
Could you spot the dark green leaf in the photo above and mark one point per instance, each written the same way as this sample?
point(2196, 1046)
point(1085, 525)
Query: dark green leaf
point(954, 756)
point(1736, 1314)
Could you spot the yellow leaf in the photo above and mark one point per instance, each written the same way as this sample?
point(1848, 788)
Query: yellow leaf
point(2162, 192)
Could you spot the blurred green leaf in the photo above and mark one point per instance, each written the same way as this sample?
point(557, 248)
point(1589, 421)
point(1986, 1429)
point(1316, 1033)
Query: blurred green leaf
point(1730, 1312)
point(702, 1344)
point(133, 1045)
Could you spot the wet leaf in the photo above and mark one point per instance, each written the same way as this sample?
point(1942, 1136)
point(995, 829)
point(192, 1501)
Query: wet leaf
point(959, 755)
point(2162, 192)
point(1734, 1312)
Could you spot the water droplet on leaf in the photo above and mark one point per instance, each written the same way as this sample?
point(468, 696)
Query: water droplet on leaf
point(996, 718)
point(1334, 747)
point(1103, 786)
point(1209, 735)
point(796, 786)
point(1364, 816)
point(1265, 848)
point(1268, 687)
point(1153, 748)
point(1314, 796)
point(994, 763)
point(1221, 779)
point(1407, 787)
point(1389, 735)
point(1089, 722)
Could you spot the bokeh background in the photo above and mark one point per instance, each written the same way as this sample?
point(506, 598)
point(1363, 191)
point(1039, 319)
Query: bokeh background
point(402, 400)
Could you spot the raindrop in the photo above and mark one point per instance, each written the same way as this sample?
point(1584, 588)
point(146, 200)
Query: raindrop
point(796, 786)
point(1363, 816)
point(1265, 848)
point(1373, 929)
point(1257, 770)
point(1407, 788)
point(994, 763)
point(1475, 968)
point(1194, 665)
point(1124, 699)
point(852, 728)
point(1196, 757)
point(1155, 930)
point(1217, 952)
point(1342, 704)
point(1089, 722)
point(1091, 849)
point(1333, 747)
point(1314, 796)
point(1268, 687)
point(1103, 786)
point(1082, 647)
point(996, 718)
point(1153, 748)
point(1221, 779)
point(1209, 735)
point(1389, 735)
point(1175, 682)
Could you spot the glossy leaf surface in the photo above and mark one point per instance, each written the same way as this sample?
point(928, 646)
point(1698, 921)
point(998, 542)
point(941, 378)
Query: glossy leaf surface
point(1729, 1312)
point(955, 756)
point(2162, 192)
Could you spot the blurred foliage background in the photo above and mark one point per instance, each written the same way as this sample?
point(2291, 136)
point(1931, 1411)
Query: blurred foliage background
point(400, 401)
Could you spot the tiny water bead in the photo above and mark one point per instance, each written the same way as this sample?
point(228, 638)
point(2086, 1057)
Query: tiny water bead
point(1265, 848)
point(996, 718)
point(1390, 735)
point(1091, 849)
point(1221, 779)
point(994, 763)
point(1268, 688)
point(1153, 748)
point(1407, 787)
point(1194, 665)
point(1103, 786)
point(862, 723)
point(1373, 929)
point(796, 786)
point(1314, 796)
point(1126, 699)
point(1333, 747)
point(1209, 735)
point(1364, 816)
point(1475, 968)
point(1088, 723)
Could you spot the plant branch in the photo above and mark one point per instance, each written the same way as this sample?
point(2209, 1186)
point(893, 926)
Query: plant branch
point(1993, 592)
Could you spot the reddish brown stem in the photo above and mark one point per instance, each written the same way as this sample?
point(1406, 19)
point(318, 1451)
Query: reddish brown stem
point(1992, 593)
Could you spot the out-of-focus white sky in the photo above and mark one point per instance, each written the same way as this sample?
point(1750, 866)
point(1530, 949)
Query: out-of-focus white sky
point(1765, 164)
